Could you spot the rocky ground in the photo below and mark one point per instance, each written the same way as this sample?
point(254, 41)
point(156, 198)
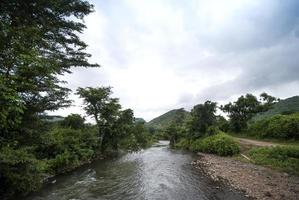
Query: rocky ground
point(256, 181)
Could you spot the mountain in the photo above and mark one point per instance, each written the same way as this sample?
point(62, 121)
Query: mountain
point(286, 106)
point(52, 118)
point(166, 119)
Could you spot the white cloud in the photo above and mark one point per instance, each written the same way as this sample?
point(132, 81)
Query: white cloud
point(161, 55)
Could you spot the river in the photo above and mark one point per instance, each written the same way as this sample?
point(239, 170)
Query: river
point(155, 173)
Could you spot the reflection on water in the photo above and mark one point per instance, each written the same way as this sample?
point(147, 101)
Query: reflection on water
point(155, 173)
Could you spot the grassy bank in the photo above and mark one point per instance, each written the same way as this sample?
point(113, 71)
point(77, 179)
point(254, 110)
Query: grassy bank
point(281, 158)
point(220, 144)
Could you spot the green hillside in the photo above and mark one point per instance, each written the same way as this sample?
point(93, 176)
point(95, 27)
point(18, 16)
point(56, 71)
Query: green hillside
point(166, 119)
point(286, 106)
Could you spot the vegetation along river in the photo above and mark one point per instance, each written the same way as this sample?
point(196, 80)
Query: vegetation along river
point(155, 173)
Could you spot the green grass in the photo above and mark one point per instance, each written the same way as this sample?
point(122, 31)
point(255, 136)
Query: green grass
point(282, 158)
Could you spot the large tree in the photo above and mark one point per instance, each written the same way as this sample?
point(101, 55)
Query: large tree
point(175, 128)
point(202, 116)
point(39, 41)
point(113, 124)
point(242, 110)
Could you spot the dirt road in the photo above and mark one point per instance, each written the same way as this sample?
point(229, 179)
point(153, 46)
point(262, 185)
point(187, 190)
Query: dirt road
point(251, 142)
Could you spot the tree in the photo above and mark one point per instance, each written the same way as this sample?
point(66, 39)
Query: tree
point(122, 127)
point(202, 116)
point(241, 111)
point(111, 121)
point(267, 101)
point(222, 123)
point(174, 130)
point(39, 42)
point(74, 121)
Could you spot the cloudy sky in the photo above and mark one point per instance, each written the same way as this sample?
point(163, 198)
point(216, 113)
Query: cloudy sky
point(164, 54)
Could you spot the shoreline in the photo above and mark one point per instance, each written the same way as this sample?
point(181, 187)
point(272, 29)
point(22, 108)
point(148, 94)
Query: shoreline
point(255, 181)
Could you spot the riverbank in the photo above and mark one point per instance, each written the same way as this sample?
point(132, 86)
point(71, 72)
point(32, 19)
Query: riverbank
point(154, 173)
point(256, 181)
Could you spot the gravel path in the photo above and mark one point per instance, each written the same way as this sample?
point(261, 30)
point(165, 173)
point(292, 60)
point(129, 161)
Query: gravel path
point(256, 181)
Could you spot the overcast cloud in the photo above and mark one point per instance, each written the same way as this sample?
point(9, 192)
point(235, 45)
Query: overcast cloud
point(164, 54)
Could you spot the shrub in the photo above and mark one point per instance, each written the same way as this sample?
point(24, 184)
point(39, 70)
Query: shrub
point(19, 171)
point(278, 126)
point(64, 162)
point(130, 143)
point(183, 144)
point(67, 148)
point(220, 144)
point(74, 121)
point(285, 158)
point(213, 130)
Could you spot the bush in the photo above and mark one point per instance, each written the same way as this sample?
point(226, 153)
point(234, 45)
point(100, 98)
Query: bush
point(19, 171)
point(67, 148)
point(220, 144)
point(74, 121)
point(285, 158)
point(130, 143)
point(183, 144)
point(64, 162)
point(278, 126)
point(213, 130)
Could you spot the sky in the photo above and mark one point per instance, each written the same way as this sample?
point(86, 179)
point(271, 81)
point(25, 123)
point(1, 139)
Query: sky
point(160, 55)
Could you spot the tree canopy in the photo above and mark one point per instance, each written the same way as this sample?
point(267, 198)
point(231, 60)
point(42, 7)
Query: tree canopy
point(202, 116)
point(39, 42)
point(242, 110)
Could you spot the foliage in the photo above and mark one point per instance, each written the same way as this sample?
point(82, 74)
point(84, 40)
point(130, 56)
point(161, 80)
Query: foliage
point(11, 111)
point(278, 126)
point(142, 135)
point(39, 44)
point(241, 111)
point(183, 143)
point(104, 109)
point(222, 123)
point(285, 158)
point(39, 41)
point(66, 148)
point(20, 171)
point(220, 144)
point(213, 130)
point(74, 121)
point(202, 116)
point(114, 124)
point(130, 143)
point(286, 106)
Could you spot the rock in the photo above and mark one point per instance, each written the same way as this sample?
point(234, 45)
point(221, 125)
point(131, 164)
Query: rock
point(286, 174)
point(268, 194)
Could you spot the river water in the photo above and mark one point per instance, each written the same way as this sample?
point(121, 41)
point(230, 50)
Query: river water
point(155, 173)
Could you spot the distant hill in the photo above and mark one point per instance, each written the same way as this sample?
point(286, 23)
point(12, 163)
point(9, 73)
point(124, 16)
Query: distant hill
point(286, 106)
point(166, 119)
point(52, 118)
